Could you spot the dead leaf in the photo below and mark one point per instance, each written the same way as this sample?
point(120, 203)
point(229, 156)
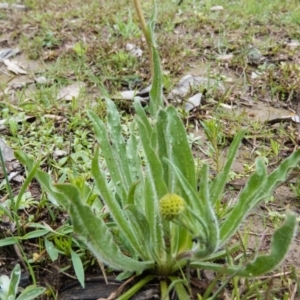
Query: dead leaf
point(71, 91)
point(12, 6)
point(7, 53)
point(193, 102)
point(117, 293)
point(59, 153)
point(188, 82)
point(293, 44)
point(127, 95)
point(225, 57)
point(55, 117)
point(131, 95)
point(134, 50)
point(41, 80)
point(14, 67)
point(7, 152)
point(216, 8)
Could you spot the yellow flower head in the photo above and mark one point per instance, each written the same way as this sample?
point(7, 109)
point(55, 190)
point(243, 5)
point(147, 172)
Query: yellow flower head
point(171, 206)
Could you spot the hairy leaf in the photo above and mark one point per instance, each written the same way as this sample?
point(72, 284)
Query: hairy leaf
point(95, 234)
point(115, 209)
point(109, 155)
point(245, 202)
point(281, 241)
point(218, 184)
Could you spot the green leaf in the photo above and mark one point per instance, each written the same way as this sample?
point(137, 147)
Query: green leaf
point(14, 281)
point(78, 267)
point(31, 292)
point(181, 155)
point(245, 203)
point(132, 149)
point(201, 213)
point(8, 241)
point(163, 141)
point(151, 209)
point(280, 174)
point(156, 96)
point(51, 250)
point(34, 234)
point(114, 207)
point(212, 226)
point(218, 184)
point(148, 128)
point(118, 143)
point(280, 244)
point(95, 234)
point(154, 165)
point(109, 155)
point(141, 226)
point(257, 188)
point(28, 180)
point(6, 212)
point(43, 178)
point(130, 197)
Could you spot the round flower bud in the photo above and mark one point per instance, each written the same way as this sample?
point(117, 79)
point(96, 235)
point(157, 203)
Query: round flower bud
point(171, 206)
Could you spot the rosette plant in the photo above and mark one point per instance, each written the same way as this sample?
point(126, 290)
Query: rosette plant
point(160, 214)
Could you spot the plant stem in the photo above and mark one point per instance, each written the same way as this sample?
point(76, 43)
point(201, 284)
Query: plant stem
point(136, 287)
point(164, 290)
point(146, 33)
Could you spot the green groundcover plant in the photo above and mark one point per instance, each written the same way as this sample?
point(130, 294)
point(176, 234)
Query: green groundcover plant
point(160, 216)
point(9, 287)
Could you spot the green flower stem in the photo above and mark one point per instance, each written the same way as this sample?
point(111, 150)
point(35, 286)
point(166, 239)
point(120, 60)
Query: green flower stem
point(146, 33)
point(164, 290)
point(132, 291)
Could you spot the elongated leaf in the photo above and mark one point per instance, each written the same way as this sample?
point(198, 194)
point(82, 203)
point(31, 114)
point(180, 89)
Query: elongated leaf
point(28, 180)
point(210, 218)
point(280, 244)
point(217, 187)
point(95, 234)
point(34, 234)
point(280, 174)
point(197, 264)
point(255, 191)
point(182, 155)
point(141, 226)
point(130, 197)
point(154, 165)
point(132, 149)
point(156, 97)
point(202, 211)
point(14, 281)
point(163, 140)
point(51, 250)
point(157, 245)
point(43, 178)
point(108, 153)
point(148, 128)
point(6, 212)
point(114, 207)
point(246, 202)
point(78, 267)
point(31, 292)
point(114, 126)
point(8, 241)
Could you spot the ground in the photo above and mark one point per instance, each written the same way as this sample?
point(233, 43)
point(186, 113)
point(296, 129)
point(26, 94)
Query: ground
point(72, 53)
